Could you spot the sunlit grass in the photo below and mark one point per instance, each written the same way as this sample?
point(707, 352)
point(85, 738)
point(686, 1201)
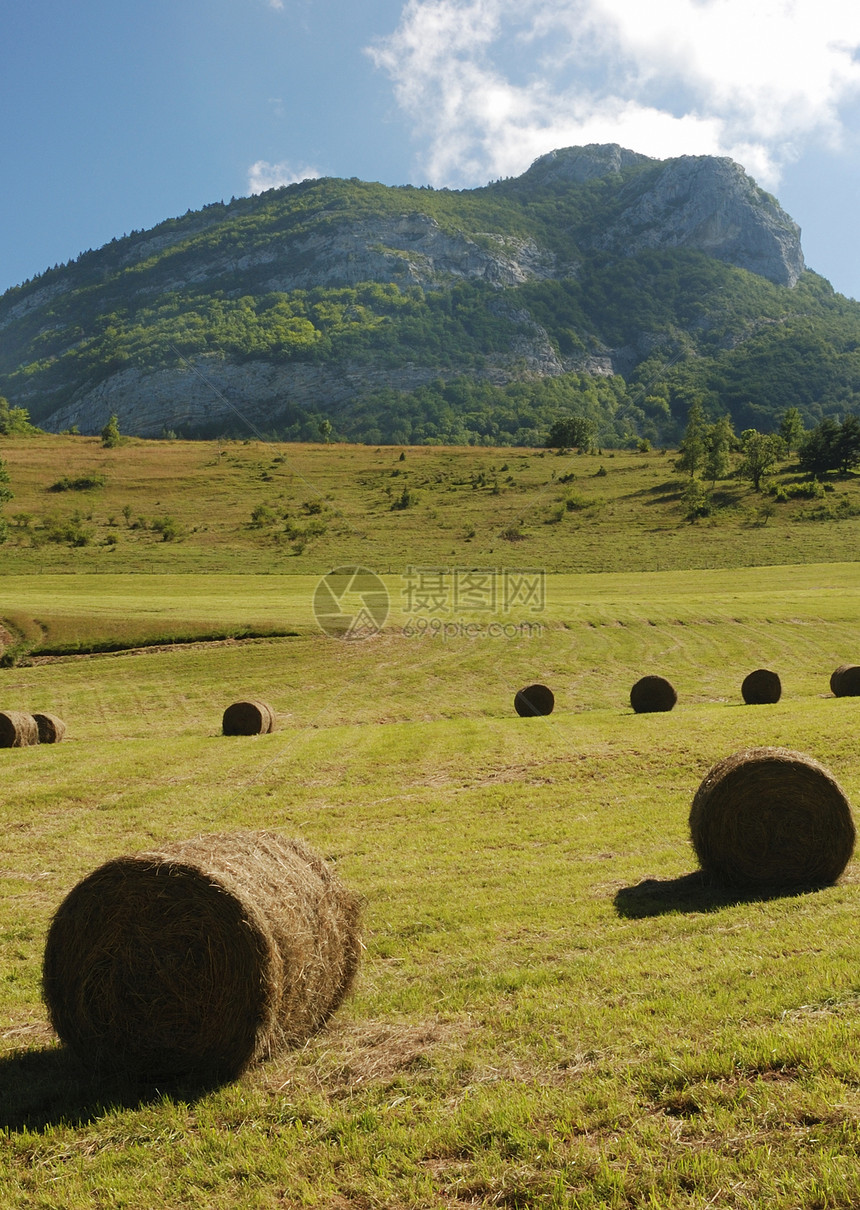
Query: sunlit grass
point(258, 507)
point(550, 1012)
point(533, 1025)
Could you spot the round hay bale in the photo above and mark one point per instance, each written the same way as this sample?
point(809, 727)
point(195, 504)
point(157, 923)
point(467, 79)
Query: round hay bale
point(845, 681)
point(201, 957)
point(51, 729)
point(651, 694)
point(761, 688)
point(248, 718)
point(17, 729)
point(770, 817)
point(533, 700)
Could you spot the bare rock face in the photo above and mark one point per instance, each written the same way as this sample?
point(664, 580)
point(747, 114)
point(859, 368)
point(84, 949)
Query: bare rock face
point(410, 249)
point(580, 164)
point(710, 204)
point(212, 389)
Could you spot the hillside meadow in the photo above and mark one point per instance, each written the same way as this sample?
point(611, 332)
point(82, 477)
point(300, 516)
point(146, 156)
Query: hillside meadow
point(251, 506)
point(552, 1010)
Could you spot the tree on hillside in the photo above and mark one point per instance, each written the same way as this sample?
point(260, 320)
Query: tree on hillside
point(817, 453)
point(694, 446)
point(570, 432)
point(831, 446)
point(110, 433)
point(848, 445)
point(721, 441)
point(761, 451)
point(791, 429)
point(14, 421)
point(5, 496)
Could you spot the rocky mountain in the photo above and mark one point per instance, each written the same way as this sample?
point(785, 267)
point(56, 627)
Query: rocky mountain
point(600, 280)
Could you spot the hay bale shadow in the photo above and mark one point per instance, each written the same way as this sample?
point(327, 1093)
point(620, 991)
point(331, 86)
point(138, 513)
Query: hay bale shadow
point(43, 1089)
point(695, 892)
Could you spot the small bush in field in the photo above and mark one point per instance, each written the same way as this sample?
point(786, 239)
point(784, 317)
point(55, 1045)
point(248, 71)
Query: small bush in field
point(82, 483)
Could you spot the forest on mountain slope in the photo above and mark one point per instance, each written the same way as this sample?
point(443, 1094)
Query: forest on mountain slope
point(674, 323)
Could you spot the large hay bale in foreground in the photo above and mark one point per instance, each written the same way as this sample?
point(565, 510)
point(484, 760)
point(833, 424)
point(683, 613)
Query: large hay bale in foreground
point(652, 694)
point(845, 681)
point(761, 688)
point(534, 700)
point(200, 957)
point(248, 718)
point(769, 818)
point(51, 729)
point(17, 729)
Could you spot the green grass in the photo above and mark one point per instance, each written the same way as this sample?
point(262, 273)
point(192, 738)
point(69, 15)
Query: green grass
point(550, 1011)
point(255, 508)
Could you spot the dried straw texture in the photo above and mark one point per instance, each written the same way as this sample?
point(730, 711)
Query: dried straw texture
point(51, 729)
point(845, 680)
point(534, 699)
point(17, 730)
point(248, 718)
point(770, 818)
point(202, 957)
point(652, 694)
point(761, 688)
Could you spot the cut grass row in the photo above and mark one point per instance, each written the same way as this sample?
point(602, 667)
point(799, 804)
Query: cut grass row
point(60, 613)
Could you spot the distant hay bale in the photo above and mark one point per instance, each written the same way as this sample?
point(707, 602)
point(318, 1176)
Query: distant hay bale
point(768, 818)
point(248, 718)
point(51, 729)
point(651, 694)
point(201, 957)
point(761, 688)
point(845, 681)
point(17, 729)
point(534, 700)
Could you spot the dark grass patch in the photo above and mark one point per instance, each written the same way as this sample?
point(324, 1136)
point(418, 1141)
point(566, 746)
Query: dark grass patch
point(112, 646)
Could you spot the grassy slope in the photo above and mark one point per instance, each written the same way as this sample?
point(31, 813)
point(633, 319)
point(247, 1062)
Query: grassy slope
point(466, 501)
point(532, 1026)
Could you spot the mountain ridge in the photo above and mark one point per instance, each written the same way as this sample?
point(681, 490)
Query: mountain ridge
point(309, 301)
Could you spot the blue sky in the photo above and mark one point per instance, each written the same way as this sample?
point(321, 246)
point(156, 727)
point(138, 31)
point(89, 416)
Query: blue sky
point(117, 116)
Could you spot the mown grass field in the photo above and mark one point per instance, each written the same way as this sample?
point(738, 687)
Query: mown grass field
point(549, 1012)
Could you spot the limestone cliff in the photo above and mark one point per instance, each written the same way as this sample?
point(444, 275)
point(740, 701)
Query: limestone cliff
point(711, 205)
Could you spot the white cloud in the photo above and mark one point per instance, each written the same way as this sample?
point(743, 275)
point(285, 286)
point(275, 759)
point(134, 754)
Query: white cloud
point(491, 84)
point(262, 175)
